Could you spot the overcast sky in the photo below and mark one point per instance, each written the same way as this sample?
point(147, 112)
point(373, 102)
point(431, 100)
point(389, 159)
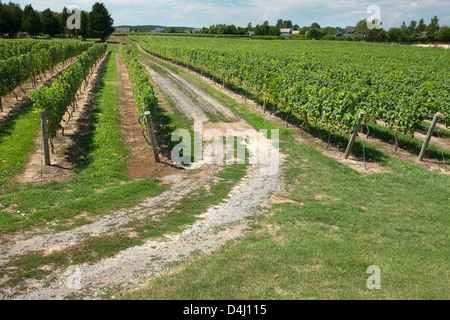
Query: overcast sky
point(204, 13)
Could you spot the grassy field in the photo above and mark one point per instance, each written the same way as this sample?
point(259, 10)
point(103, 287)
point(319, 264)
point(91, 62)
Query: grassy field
point(330, 225)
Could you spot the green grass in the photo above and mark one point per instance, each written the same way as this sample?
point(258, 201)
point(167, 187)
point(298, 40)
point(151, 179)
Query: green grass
point(407, 142)
point(437, 132)
point(16, 141)
point(93, 249)
point(100, 184)
point(332, 224)
point(187, 210)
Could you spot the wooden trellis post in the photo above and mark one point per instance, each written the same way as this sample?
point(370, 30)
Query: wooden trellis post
point(354, 135)
point(428, 138)
point(44, 132)
point(151, 134)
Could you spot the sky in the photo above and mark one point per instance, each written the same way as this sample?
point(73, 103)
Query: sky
point(204, 13)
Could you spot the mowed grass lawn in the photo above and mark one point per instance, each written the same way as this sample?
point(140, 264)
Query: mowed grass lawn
point(318, 240)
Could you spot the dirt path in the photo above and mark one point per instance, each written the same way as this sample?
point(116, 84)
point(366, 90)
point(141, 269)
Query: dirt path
point(133, 266)
point(142, 165)
point(49, 241)
point(445, 46)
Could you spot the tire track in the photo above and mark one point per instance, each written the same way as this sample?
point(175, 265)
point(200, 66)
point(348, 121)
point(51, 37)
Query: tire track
point(219, 224)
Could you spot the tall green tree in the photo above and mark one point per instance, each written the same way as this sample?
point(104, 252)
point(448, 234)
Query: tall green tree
point(50, 23)
point(25, 14)
point(32, 23)
point(4, 18)
point(376, 35)
point(14, 17)
point(434, 25)
point(64, 16)
point(280, 23)
point(100, 22)
point(84, 32)
point(262, 30)
point(443, 34)
point(421, 26)
point(395, 35)
point(412, 27)
point(361, 27)
point(274, 31)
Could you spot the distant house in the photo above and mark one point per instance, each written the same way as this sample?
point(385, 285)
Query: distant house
point(295, 31)
point(350, 31)
point(423, 34)
point(340, 34)
point(122, 30)
point(197, 30)
point(285, 31)
point(250, 33)
point(361, 35)
point(159, 30)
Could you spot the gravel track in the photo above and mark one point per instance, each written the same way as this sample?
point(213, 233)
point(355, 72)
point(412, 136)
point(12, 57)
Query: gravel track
point(132, 267)
point(183, 102)
point(50, 241)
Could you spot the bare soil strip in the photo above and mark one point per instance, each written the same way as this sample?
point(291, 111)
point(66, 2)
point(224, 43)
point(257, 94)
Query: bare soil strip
point(443, 142)
point(142, 165)
point(441, 45)
point(133, 266)
point(207, 103)
point(67, 150)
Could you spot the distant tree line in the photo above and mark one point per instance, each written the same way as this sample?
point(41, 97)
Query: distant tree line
point(94, 24)
point(414, 32)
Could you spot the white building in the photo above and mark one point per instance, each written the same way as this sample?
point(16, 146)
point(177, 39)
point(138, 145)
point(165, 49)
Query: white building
point(122, 30)
point(159, 30)
point(285, 31)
